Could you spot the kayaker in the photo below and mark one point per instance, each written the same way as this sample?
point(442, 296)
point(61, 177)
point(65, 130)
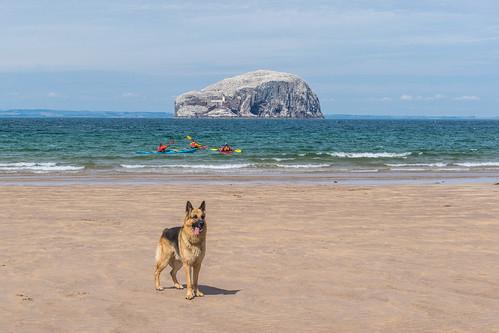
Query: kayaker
point(161, 148)
point(226, 148)
point(195, 144)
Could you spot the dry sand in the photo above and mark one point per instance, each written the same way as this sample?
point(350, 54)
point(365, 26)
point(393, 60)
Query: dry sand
point(280, 259)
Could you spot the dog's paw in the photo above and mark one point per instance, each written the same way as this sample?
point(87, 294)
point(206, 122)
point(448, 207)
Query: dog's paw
point(178, 286)
point(160, 288)
point(189, 295)
point(198, 293)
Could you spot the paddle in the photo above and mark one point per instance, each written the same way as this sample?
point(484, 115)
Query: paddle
point(235, 150)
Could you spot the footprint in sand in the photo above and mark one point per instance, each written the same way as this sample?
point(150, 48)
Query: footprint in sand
point(25, 297)
point(77, 294)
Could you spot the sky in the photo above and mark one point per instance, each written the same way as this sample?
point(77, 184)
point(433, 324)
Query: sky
point(361, 57)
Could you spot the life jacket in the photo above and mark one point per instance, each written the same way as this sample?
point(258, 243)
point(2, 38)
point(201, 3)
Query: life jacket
point(161, 148)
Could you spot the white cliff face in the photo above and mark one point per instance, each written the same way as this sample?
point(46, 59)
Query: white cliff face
point(261, 93)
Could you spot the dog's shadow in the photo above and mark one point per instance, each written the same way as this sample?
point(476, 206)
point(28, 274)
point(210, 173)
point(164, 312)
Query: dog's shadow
point(209, 290)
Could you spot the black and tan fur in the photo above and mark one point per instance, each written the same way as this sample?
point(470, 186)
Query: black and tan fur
point(181, 247)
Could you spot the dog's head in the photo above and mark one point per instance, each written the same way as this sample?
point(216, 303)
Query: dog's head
point(195, 219)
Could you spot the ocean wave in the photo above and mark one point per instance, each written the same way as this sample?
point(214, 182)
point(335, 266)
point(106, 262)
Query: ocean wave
point(188, 166)
point(408, 169)
point(403, 165)
point(303, 166)
point(38, 167)
point(478, 164)
point(368, 155)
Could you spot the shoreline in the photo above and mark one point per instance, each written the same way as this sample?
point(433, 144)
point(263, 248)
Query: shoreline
point(263, 178)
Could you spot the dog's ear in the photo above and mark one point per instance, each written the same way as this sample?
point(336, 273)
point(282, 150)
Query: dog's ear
point(203, 206)
point(188, 208)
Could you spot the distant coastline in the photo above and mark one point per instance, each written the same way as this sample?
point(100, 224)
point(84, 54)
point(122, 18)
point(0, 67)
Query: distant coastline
point(50, 113)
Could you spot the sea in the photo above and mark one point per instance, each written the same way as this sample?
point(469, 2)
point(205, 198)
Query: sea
point(109, 146)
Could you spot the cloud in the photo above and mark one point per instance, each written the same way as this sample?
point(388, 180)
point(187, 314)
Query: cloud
point(382, 99)
point(129, 94)
point(467, 98)
point(53, 94)
point(435, 97)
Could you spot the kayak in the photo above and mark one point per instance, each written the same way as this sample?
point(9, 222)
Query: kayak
point(168, 152)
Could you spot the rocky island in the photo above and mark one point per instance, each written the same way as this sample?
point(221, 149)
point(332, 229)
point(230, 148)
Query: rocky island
point(258, 94)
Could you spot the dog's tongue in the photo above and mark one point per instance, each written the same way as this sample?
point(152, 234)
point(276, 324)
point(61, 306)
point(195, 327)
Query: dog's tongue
point(196, 231)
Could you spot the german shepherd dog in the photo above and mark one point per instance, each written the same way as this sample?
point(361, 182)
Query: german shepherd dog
point(184, 246)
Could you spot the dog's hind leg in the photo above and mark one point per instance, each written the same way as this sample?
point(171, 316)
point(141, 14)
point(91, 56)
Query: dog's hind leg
point(162, 260)
point(176, 265)
point(196, 270)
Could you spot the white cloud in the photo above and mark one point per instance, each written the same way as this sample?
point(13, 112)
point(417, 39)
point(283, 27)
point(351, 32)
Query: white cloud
point(383, 99)
point(435, 97)
point(467, 98)
point(129, 94)
point(53, 94)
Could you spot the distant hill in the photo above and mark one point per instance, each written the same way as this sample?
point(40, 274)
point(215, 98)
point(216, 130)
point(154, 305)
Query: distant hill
point(384, 117)
point(47, 113)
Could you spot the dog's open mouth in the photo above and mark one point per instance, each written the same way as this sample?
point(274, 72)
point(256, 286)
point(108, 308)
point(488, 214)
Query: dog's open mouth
point(197, 227)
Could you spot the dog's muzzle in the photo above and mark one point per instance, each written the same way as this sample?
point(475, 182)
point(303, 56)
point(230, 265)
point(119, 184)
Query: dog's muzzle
point(198, 227)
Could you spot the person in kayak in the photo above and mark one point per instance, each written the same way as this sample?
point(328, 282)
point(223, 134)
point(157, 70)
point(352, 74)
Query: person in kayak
point(226, 148)
point(161, 148)
point(195, 144)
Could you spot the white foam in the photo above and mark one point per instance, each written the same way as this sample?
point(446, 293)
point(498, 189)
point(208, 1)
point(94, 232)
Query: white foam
point(478, 164)
point(38, 167)
point(303, 166)
point(403, 165)
point(368, 155)
point(188, 166)
point(138, 166)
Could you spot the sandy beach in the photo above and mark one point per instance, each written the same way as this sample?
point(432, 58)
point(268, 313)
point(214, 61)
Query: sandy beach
point(281, 258)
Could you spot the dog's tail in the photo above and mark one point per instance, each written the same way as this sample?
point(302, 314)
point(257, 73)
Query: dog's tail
point(158, 252)
point(158, 247)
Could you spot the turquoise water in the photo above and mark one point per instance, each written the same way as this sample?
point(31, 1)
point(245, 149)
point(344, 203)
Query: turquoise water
point(108, 145)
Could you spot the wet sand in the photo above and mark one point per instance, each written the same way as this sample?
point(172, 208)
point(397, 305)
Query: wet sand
point(289, 258)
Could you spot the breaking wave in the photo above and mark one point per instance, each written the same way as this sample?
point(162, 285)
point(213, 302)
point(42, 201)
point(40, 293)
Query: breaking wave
point(369, 155)
point(37, 167)
point(188, 166)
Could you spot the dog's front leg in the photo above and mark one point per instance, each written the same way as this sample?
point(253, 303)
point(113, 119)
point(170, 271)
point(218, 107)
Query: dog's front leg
point(188, 281)
point(196, 269)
